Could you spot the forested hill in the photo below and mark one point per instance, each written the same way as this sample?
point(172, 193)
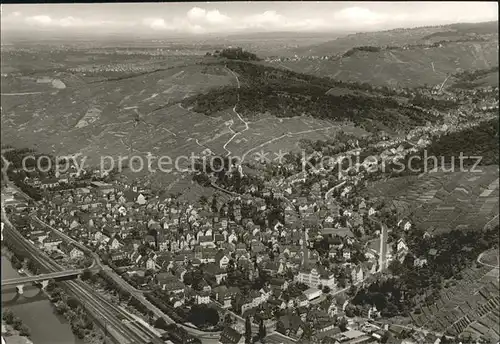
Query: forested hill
point(481, 140)
point(267, 90)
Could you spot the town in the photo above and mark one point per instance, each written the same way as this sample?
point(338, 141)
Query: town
point(335, 177)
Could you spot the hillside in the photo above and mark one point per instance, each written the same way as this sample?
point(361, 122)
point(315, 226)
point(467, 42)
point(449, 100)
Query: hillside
point(457, 194)
point(400, 37)
point(402, 67)
point(402, 57)
point(118, 110)
point(266, 90)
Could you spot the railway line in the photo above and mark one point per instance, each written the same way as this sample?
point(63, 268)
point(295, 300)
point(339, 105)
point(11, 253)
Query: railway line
point(119, 324)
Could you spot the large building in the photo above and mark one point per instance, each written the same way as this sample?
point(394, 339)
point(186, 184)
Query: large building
point(315, 277)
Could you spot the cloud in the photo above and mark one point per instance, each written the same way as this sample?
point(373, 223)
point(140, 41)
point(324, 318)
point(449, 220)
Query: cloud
point(267, 18)
point(272, 20)
point(176, 25)
point(196, 20)
point(359, 16)
point(157, 24)
point(41, 20)
point(70, 22)
point(213, 17)
point(202, 20)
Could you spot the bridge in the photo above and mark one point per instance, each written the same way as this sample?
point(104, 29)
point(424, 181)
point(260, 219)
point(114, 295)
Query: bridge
point(43, 278)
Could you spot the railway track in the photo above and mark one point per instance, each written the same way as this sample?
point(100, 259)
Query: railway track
point(122, 327)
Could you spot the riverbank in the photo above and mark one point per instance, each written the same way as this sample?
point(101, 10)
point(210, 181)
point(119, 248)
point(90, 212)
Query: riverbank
point(35, 310)
point(13, 336)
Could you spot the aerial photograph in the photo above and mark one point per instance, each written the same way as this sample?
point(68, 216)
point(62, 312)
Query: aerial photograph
point(257, 172)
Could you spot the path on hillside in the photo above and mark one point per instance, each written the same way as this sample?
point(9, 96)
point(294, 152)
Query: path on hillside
point(491, 222)
point(327, 194)
point(237, 114)
point(289, 134)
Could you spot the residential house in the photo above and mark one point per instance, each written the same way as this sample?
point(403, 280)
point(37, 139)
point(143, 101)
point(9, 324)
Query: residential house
point(52, 241)
point(203, 298)
point(170, 283)
point(231, 336)
point(76, 253)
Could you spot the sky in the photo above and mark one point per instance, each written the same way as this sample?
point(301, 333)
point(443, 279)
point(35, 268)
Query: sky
point(236, 17)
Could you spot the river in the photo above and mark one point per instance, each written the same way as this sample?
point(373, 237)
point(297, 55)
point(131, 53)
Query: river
point(36, 311)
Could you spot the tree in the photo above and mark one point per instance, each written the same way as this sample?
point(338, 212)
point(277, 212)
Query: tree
point(86, 275)
point(17, 323)
point(343, 324)
point(350, 310)
point(123, 295)
point(201, 315)
point(308, 332)
point(73, 302)
point(51, 285)
point(280, 327)
point(17, 265)
point(8, 316)
point(248, 331)
point(24, 331)
point(56, 294)
point(326, 289)
point(228, 320)
point(352, 290)
point(262, 331)
point(161, 324)
point(61, 307)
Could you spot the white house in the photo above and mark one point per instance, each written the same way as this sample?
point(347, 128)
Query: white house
point(312, 293)
point(203, 298)
point(407, 226)
point(141, 199)
point(75, 253)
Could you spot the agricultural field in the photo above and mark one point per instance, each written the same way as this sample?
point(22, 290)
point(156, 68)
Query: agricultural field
point(441, 201)
point(108, 116)
point(467, 307)
point(141, 114)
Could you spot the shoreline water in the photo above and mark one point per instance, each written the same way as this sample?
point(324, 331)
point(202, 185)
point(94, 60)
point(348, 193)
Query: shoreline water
point(34, 306)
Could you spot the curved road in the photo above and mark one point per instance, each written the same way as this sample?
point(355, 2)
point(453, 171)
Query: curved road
point(479, 260)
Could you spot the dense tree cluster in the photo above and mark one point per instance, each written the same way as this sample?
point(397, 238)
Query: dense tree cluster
point(203, 316)
point(237, 54)
point(72, 310)
point(481, 140)
point(468, 79)
point(431, 103)
point(16, 322)
point(472, 75)
point(367, 48)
